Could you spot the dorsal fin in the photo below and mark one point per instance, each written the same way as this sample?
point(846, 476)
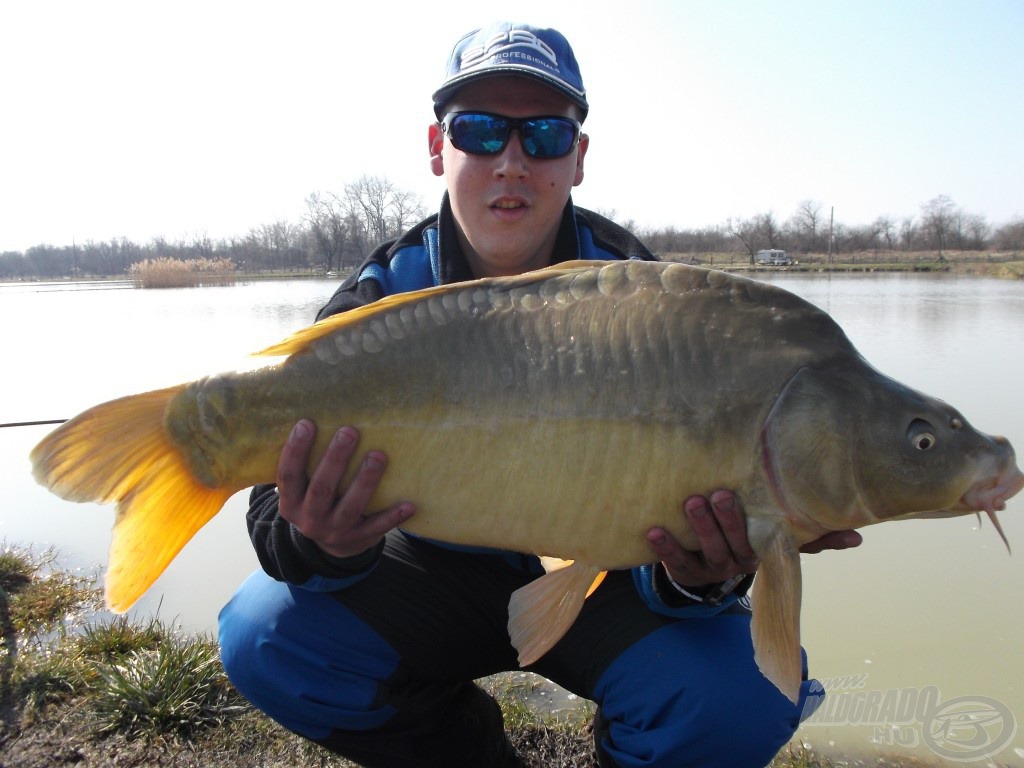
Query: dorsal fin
point(303, 338)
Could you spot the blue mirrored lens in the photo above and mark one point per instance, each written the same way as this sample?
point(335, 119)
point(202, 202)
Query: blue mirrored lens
point(480, 134)
point(548, 137)
point(483, 134)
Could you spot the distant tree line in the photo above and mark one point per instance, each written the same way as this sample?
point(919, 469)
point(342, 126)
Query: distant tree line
point(941, 226)
point(339, 230)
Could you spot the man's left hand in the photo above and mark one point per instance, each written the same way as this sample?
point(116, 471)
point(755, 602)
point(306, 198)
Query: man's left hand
point(721, 529)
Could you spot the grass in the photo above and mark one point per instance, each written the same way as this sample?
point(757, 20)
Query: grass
point(177, 687)
point(174, 273)
point(80, 687)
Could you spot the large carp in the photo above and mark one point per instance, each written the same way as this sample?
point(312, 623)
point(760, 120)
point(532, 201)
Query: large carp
point(563, 412)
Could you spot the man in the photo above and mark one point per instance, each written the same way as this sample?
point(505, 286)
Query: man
point(365, 638)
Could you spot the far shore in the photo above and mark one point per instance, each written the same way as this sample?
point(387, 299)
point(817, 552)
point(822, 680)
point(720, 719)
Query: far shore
point(995, 264)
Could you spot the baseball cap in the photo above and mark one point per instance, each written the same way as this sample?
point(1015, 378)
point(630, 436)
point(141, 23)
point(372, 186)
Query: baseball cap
point(508, 48)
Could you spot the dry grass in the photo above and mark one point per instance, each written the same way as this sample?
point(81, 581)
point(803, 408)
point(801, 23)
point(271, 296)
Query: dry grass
point(173, 273)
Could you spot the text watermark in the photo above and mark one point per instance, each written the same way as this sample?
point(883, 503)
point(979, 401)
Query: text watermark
point(961, 729)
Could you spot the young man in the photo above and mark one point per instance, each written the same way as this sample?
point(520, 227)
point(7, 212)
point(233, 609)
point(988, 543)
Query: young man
point(365, 638)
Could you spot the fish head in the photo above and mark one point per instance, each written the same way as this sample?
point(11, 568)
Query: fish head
point(845, 446)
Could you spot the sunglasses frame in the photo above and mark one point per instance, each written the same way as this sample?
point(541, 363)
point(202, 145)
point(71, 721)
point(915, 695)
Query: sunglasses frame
point(514, 124)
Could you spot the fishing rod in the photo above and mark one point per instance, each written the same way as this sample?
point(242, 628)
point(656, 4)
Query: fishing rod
point(32, 423)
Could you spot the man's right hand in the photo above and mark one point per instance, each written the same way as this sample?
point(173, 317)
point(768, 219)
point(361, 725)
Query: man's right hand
point(336, 520)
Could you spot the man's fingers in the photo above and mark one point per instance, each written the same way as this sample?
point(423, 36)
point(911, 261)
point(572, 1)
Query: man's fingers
point(723, 550)
point(733, 525)
point(376, 525)
point(323, 485)
point(291, 466)
point(356, 500)
point(713, 545)
point(686, 567)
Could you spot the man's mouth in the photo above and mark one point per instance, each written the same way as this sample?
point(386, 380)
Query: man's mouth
point(508, 204)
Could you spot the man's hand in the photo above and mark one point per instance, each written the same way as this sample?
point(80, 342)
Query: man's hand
point(725, 551)
point(336, 521)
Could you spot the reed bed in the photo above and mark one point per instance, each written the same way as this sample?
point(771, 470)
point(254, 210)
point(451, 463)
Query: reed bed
point(166, 272)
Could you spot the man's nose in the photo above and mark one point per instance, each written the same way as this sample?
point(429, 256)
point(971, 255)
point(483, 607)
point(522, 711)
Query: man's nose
point(513, 160)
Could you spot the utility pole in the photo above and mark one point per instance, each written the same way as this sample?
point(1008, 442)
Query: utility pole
point(831, 219)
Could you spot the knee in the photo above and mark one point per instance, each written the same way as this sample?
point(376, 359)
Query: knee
point(703, 730)
point(247, 635)
point(691, 695)
point(303, 658)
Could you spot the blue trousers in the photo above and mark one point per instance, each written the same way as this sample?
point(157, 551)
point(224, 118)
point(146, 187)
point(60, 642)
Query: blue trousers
point(381, 671)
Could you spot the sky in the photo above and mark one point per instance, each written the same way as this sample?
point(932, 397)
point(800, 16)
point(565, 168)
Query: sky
point(186, 119)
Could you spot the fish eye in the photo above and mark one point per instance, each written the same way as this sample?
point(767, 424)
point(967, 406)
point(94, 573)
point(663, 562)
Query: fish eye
point(921, 435)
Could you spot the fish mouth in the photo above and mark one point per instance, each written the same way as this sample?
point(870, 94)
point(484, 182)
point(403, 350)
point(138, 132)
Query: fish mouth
point(991, 495)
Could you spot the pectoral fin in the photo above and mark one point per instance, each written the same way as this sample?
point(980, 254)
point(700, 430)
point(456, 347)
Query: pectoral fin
point(542, 611)
point(776, 623)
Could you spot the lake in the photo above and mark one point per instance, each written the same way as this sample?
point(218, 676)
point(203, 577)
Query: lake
point(919, 628)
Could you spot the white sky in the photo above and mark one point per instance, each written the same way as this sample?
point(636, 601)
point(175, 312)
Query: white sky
point(144, 119)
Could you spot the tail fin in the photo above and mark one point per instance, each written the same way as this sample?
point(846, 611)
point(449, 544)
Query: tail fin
point(120, 451)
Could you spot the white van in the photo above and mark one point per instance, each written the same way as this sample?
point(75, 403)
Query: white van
point(773, 257)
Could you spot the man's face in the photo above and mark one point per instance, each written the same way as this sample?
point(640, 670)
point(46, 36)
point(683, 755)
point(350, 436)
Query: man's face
point(507, 206)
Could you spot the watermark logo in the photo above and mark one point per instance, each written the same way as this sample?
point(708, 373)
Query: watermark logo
point(967, 728)
point(960, 729)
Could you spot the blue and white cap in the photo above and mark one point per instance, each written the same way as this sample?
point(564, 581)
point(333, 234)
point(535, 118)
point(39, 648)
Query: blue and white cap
point(507, 48)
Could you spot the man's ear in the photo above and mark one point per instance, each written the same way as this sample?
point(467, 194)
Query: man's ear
point(581, 151)
point(435, 140)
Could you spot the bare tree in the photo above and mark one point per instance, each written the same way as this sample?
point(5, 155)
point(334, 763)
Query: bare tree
point(1010, 237)
point(269, 245)
point(325, 218)
point(805, 223)
point(770, 229)
point(161, 248)
point(50, 261)
point(908, 231)
point(885, 229)
point(367, 199)
point(201, 245)
point(748, 232)
point(974, 232)
point(382, 211)
point(938, 216)
point(406, 210)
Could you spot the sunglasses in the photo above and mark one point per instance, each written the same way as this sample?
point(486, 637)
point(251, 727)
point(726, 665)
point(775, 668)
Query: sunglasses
point(481, 133)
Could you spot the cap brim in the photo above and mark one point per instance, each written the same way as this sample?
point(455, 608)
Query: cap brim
point(445, 93)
